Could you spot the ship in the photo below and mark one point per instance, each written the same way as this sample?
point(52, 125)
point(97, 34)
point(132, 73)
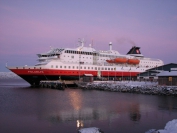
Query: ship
point(73, 63)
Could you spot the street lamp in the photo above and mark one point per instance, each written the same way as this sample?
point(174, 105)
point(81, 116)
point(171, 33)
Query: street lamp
point(130, 73)
point(79, 61)
point(122, 73)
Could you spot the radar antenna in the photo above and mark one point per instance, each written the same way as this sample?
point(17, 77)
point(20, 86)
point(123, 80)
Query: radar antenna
point(81, 41)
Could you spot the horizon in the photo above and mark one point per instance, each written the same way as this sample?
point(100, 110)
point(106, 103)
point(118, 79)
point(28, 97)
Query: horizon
point(32, 27)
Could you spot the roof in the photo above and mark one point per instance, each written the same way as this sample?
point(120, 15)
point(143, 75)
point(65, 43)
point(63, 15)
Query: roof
point(167, 73)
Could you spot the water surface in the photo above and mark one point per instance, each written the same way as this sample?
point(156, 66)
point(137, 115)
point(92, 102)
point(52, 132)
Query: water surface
point(34, 110)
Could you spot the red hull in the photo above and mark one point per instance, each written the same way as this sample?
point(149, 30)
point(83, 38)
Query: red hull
point(34, 76)
point(69, 72)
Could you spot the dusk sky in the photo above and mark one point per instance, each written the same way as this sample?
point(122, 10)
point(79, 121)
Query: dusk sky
point(29, 27)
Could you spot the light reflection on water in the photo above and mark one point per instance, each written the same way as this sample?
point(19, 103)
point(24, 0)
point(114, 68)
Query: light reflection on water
point(48, 110)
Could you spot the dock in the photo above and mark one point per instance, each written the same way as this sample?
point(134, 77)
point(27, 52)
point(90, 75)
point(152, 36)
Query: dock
point(52, 84)
point(57, 84)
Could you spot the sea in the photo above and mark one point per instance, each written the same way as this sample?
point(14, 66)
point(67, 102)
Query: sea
point(24, 109)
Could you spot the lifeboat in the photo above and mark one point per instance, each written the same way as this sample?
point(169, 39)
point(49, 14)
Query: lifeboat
point(120, 60)
point(110, 61)
point(133, 61)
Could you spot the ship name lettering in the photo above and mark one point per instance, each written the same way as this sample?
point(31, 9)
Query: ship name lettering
point(35, 72)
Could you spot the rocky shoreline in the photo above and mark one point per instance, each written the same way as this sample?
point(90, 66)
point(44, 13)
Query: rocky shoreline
point(131, 87)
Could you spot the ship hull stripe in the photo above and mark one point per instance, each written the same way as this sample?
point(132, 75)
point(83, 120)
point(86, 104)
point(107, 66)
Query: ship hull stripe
point(54, 72)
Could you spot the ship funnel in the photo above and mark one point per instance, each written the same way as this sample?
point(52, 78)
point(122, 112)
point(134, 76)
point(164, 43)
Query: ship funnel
point(110, 46)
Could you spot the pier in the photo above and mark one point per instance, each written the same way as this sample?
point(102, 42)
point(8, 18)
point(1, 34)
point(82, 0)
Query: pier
point(52, 84)
point(57, 84)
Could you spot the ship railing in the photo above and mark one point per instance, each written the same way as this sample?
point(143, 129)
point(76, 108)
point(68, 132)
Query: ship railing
point(26, 67)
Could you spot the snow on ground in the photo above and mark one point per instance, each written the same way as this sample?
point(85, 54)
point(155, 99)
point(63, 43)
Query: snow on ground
point(171, 127)
point(90, 130)
point(129, 83)
point(8, 75)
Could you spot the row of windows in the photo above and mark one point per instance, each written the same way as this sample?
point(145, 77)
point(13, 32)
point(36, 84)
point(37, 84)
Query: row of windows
point(77, 67)
point(69, 67)
point(79, 52)
point(81, 57)
point(49, 55)
point(89, 53)
point(151, 62)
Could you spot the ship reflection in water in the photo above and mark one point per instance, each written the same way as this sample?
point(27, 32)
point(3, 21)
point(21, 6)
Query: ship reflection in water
point(49, 110)
point(108, 110)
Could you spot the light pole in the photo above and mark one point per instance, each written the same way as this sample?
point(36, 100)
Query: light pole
point(130, 73)
point(79, 63)
point(114, 74)
point(79, 50)
point(122, 73)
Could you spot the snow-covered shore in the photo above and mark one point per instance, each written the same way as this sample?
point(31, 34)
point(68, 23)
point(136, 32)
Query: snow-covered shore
point(8, 75)
point(171, 127)
point(131, 86)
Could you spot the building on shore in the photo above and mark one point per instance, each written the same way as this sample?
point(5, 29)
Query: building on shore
point(152, 74)
point(167, 78)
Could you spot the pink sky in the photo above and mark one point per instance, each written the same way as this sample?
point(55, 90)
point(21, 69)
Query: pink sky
point(31, 27)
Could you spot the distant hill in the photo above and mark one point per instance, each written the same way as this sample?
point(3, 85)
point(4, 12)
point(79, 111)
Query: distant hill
point(8, 75)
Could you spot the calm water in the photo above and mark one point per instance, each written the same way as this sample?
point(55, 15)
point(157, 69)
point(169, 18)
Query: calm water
point(33, 110)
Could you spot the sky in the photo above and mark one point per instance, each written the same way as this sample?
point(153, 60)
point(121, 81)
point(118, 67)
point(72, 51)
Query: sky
point(31, 27)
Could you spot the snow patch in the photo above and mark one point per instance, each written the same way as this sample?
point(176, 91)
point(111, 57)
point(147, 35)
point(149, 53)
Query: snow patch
point(171, 127)
point(90, 130)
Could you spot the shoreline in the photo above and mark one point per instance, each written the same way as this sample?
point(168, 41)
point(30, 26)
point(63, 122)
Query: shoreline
point(151, 88)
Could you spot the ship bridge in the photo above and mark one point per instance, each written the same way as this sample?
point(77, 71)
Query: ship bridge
point(51, 54)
